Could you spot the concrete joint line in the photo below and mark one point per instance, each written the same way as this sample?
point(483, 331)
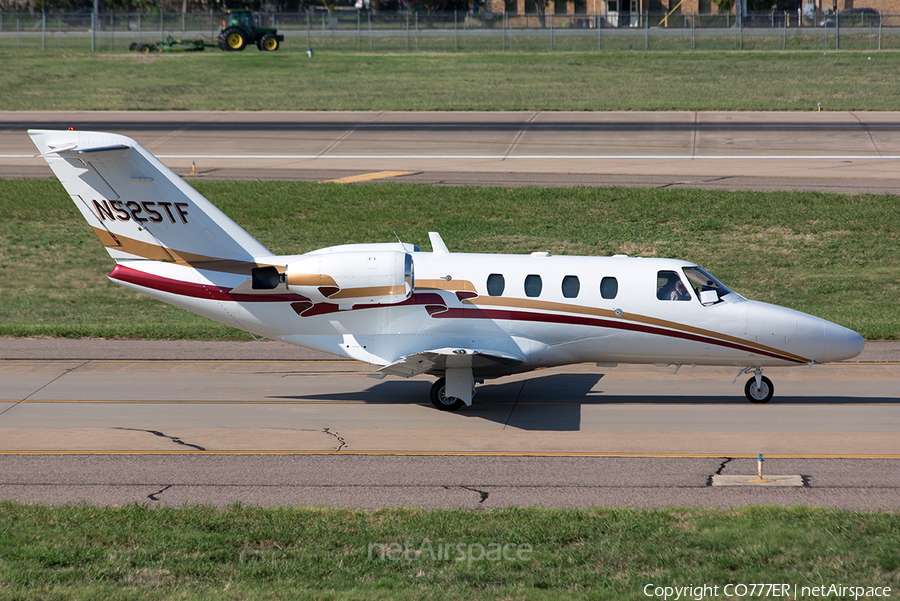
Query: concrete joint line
point(67, 372)
point(519, 135)
point(868, 133)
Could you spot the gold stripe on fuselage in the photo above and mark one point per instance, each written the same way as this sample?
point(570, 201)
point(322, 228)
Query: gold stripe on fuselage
point(370, 291)
point(521, 303)
point(311, 279)
point(449, 285)
point(156, 252)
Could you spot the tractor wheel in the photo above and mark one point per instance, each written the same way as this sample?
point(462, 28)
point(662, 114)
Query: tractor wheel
point(144, 49)
point(133, 46)
point(268, 42)
point(232, 38)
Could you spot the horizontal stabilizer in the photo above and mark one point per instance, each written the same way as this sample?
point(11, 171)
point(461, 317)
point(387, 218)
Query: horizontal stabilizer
point(81, 149)
point(99, 148)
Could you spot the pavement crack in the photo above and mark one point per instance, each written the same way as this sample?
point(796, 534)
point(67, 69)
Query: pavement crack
point(484, 494)
point(154, 496)
point(341, 441)
point(723, 464)
point(718, 472)
point(174, 439)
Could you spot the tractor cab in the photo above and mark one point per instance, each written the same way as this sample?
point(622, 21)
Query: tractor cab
point(241, 19)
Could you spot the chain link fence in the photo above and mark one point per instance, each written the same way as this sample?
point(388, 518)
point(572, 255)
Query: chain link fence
point(350, 30)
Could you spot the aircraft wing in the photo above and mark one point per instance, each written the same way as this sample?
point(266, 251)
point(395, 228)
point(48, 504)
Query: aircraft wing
point(437, 359)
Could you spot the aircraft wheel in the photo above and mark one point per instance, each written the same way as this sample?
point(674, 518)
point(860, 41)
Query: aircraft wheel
point(440, 400)
point(759, 395)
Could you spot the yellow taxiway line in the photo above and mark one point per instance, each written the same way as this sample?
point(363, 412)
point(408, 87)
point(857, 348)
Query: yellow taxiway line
point(367, 177)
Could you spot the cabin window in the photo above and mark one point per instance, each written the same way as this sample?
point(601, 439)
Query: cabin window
point(669, 287)
point(609, 288)
point(496, 284)
point(571, 286)
point(533, 285)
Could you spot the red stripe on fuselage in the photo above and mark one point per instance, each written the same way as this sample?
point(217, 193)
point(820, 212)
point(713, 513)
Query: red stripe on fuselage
point(130, 275)
point(146, 280)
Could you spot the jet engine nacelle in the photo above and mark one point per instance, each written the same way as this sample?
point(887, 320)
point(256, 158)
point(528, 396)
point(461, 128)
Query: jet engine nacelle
point(378, 277)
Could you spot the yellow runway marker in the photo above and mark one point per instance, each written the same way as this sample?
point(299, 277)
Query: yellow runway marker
point(366, 177)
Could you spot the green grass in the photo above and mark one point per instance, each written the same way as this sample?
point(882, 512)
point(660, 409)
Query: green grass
point(137, 552)
point(834, 256)
point(493, 81)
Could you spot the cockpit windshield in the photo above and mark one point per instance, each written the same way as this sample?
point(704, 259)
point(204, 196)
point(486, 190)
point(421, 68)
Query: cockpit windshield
point(707, 288)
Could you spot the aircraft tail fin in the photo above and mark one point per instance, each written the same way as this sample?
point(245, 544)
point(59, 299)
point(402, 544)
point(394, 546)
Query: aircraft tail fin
point(138, 207)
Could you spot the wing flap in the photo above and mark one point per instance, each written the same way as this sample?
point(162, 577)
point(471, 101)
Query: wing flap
point(436, 360)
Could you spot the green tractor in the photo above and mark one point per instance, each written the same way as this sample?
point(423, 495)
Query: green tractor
point(238, 30)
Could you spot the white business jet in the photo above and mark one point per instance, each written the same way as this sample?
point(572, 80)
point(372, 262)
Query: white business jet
point(460, 317)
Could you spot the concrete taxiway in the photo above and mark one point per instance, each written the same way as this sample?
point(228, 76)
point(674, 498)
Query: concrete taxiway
point(129, 422)
point(315, 406)
point(829, 151)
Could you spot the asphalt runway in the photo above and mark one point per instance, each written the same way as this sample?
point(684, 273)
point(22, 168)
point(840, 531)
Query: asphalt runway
point(113, 422)
point(838, 152)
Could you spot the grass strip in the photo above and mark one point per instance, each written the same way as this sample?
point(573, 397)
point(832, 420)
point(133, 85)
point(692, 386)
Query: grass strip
point(247, 553)
point(490, 81)
point(835, 256)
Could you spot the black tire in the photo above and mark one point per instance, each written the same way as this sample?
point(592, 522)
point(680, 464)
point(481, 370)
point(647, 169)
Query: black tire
point(144, 49)
point(268, 43)
point(760, 395)
point(232, 38)
point(133, 46)
point(440, 400)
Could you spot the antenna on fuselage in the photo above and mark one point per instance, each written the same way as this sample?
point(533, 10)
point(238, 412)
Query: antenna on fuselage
point(437, 244)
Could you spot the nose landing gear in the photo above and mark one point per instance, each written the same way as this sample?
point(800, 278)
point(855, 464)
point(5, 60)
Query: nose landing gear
point(759, 389)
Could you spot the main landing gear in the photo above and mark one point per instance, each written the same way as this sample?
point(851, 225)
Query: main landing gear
point(440, 399)
point(759, 389)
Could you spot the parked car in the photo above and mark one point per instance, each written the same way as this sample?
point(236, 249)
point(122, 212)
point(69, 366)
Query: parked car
point(854, 17)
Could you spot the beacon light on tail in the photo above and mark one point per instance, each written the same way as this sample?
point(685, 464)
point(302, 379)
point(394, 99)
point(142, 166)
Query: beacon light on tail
point(460, 317)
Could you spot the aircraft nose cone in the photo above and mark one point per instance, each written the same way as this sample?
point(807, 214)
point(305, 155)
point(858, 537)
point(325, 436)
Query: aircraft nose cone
point(842, 343)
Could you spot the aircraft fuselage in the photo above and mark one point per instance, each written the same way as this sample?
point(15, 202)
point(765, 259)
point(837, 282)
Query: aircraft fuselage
point(551, 311)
